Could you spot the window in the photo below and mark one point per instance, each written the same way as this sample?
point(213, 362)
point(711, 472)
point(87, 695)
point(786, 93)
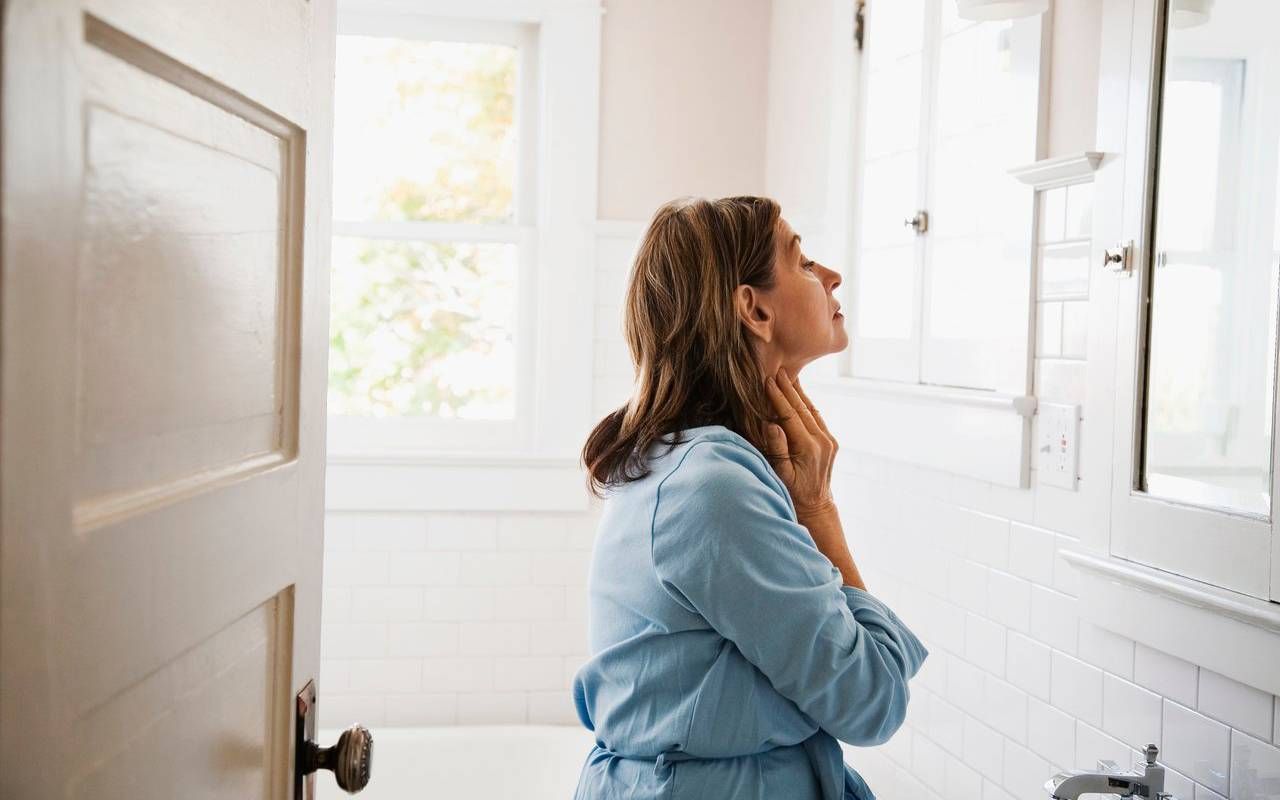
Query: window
point(434, 232)
point(462, 250)
point(939, 288)
point(943, 253)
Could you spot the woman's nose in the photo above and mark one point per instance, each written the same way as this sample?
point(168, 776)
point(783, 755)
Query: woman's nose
point(834, 279)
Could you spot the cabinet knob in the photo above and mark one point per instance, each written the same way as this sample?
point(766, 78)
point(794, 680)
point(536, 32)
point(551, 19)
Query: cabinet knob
point(1116, 258)
point(920, 221)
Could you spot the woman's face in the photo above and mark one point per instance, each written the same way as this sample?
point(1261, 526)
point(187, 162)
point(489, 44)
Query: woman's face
point(797, 320)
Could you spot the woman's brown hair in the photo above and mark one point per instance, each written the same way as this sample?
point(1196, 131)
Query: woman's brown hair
point(694, 361)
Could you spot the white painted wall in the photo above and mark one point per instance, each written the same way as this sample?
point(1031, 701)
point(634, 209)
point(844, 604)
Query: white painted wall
point(682, 101)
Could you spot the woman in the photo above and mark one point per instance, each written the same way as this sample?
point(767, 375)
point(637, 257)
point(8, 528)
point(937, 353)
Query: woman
point(733, 641)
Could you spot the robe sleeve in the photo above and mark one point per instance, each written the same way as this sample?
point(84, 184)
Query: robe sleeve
point(725, 545)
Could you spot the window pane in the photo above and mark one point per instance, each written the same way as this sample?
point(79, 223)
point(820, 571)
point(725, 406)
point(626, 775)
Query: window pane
point(423, 328)
point(885, 293)
point(1207, 427)
point(424, 130)
point(978, 261)
point(884, 284)
point(893, 119)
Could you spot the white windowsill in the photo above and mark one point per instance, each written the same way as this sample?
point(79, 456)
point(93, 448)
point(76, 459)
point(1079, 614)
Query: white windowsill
point(454, 481)
point(445, 458)
point(972, 432)
point(1228, 632)
point(1023, 405)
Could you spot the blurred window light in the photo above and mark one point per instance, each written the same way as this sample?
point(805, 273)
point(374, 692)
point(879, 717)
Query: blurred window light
point(427, 258)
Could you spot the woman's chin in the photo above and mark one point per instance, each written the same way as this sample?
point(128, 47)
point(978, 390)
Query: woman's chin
point(840, 340)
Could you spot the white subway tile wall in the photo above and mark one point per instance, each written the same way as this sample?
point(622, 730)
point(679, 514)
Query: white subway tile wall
point(1059, 692)
point(1239, 706)
point(455, 619)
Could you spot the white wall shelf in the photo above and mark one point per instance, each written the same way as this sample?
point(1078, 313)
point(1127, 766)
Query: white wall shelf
point(1050, 173)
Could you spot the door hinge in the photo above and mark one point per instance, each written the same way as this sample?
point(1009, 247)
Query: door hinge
point(860, 23)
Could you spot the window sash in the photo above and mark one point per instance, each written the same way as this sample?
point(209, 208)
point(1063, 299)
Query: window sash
point(407, 435)
point(400, 435)
point(921, 357)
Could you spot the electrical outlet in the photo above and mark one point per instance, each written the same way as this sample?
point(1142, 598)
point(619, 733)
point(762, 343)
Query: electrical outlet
point(1058, 445)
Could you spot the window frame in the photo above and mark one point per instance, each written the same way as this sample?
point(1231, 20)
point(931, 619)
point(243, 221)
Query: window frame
point(1029, 36)
point(416, 464)
point(980, 433)
point(350, 433)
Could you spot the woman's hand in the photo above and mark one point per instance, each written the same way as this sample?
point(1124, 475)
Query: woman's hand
point(803, 434)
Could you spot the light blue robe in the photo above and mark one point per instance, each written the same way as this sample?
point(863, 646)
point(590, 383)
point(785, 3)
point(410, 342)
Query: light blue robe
point(727, 655)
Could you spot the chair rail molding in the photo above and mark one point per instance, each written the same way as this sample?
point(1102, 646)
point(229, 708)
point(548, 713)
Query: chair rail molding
point(1228, 632)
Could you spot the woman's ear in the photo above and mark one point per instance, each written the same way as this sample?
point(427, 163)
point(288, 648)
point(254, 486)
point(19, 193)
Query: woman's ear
point(754, 311)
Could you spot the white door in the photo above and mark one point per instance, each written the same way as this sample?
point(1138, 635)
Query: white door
point(164, 251)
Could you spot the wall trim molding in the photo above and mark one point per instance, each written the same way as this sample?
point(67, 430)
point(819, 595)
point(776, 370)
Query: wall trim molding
point(459, 484)
point(1230, 633)
point(1050, 173)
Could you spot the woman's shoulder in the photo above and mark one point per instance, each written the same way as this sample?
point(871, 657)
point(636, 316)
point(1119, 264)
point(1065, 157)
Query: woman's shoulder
point(719, 495)
point(714, 462)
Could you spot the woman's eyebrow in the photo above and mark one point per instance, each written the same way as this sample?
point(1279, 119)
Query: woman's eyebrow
point(795, 240)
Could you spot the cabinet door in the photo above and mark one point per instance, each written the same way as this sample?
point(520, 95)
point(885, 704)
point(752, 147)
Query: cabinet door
point(1194, 486)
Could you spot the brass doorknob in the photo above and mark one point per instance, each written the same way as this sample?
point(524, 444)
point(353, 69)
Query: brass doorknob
point(350, 759)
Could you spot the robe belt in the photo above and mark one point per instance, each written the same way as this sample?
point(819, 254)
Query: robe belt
point(662, 764)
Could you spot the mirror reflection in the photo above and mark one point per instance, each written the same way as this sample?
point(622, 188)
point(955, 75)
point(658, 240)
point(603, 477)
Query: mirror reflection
point(1210, 373)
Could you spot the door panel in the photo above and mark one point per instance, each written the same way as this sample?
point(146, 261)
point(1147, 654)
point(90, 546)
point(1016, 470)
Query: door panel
point(163, 344)
point(186, 301)
point(167, 712)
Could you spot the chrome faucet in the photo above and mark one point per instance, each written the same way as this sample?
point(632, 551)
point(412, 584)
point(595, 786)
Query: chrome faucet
point(1073, 783)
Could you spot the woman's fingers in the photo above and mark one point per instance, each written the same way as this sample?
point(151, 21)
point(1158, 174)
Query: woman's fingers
point(796, 431)
point(813, 409)
point(778, 443)
point(801, 407)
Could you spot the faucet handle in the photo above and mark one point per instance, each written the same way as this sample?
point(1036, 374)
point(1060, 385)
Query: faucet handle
point(1150, 751)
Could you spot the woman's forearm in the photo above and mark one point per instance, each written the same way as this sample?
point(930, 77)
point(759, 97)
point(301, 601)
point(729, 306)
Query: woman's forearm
point(828, 534)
